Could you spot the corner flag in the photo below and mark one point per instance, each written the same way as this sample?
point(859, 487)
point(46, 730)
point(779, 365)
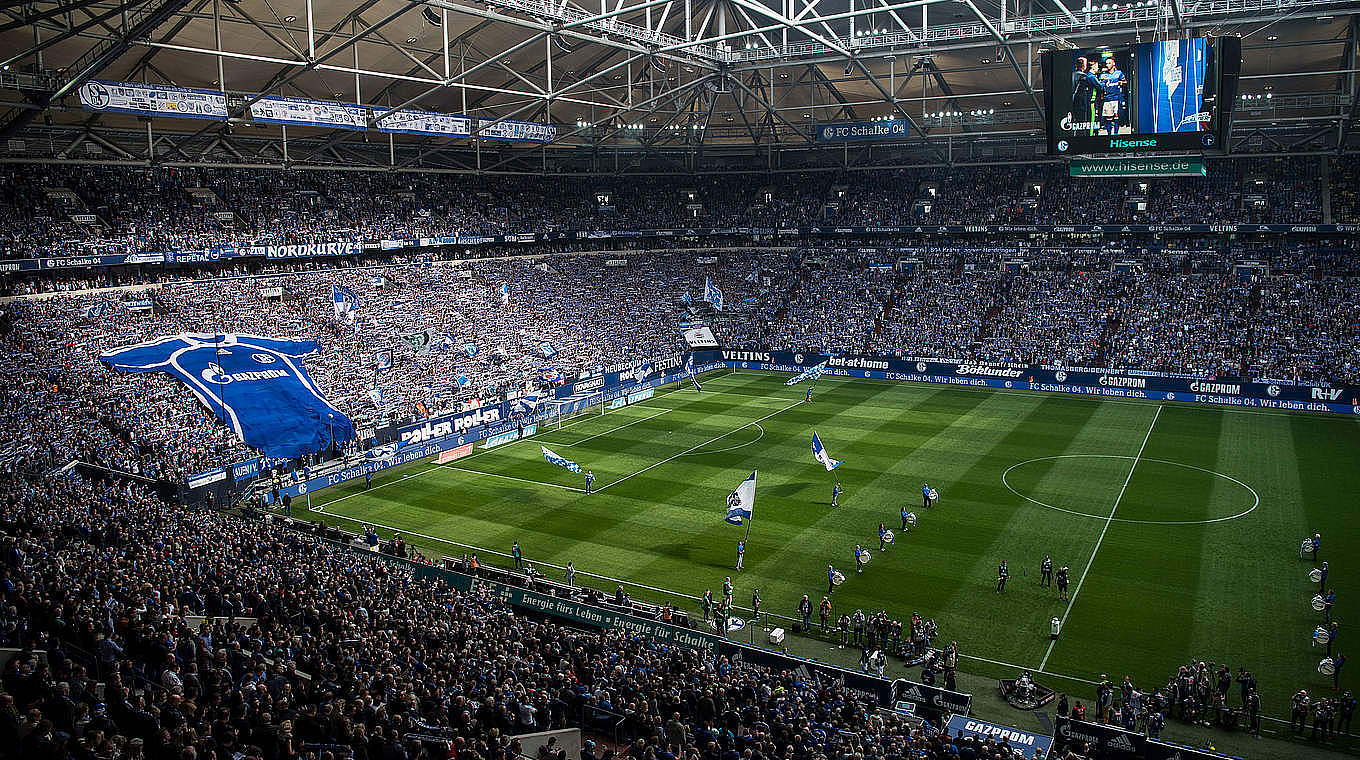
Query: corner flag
point(741, 503)
point(819, 453)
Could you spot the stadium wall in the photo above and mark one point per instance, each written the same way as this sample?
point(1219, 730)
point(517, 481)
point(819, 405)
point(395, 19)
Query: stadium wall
point(1109, 383)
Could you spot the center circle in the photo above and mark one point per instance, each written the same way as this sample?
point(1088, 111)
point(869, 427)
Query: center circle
point(1255, 497)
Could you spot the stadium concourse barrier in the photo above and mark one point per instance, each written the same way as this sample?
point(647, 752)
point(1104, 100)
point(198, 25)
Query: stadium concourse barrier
point(354, 247)
point(1138, 384)
point(1114, 742)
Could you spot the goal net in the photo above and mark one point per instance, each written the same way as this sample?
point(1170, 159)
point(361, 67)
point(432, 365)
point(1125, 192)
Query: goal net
point(570, 407)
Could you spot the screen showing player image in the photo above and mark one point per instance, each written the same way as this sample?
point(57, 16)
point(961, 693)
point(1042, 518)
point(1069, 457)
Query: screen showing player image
point(1100, 90)
point(1171, 96)
point(1152, 96)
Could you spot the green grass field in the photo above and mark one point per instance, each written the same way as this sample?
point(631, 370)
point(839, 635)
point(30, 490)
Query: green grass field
point(1180, 523)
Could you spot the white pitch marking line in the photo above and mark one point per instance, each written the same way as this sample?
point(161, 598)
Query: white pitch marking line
point(512, 477)
point(705, 443)
point(1101, 539)
point(620, 427)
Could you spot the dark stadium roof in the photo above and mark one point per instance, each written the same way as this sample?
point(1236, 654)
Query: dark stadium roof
point(738, 82)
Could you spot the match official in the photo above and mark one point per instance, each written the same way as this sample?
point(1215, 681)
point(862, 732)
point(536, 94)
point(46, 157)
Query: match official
point(1002, 573)
point(1046, 571)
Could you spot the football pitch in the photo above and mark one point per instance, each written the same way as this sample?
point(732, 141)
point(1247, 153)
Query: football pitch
point(1180, 523)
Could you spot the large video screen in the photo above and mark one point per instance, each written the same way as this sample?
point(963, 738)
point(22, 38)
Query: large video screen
point(1157, 96)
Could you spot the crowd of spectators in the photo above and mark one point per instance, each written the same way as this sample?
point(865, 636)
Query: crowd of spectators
point(146, 632)
point(47, 211)
point(1070, 308)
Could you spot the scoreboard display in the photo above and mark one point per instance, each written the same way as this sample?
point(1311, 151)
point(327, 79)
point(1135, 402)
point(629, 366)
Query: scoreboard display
point(1169, 95)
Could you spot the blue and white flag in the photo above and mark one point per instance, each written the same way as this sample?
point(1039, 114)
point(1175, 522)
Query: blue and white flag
point(754, 276)
point(470, 349)
point(712, 294)
point(528, 401)
point(256, 385)
point(689, 369)
point(505, 293)
point(384, 360)
point(819, 453)
point(383, 453)
point(463, 380)
point(376, 396)
point(686, 298)
point(559, 461)
point(345, 302)
point(741, 503)
point(811, 373)
point(547, 350)
point(97, 310)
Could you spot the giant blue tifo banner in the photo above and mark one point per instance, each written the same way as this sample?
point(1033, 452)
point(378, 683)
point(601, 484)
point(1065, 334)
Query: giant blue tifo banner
point(1027, 743)
point(256, 385)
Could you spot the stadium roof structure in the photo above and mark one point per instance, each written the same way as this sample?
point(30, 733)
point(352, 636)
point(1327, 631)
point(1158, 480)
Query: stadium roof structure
point(633, 85)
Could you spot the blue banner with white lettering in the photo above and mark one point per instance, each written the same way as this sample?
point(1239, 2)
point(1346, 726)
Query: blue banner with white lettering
point(1029, 744)
point(256, 385)
point(883, 129)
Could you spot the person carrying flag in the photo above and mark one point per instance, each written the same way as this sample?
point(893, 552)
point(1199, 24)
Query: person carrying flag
point(836, 493)
point(830, 579)
point(741, 554)
point(590, 480)
point(1002, 573)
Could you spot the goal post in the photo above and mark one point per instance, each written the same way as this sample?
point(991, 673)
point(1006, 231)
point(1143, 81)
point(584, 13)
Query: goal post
point(560, 410)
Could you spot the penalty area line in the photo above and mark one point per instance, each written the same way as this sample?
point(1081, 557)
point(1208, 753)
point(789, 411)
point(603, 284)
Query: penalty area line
point(1063, 621)
point(699, 446)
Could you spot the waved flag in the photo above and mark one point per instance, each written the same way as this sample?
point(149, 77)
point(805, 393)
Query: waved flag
point(741, 503)
point(547, 350)
point(686, 298)
point(819, 453)
point(811, 373)
point(470, 349)
point(712, 294)
point(559, 461)
point(463, 380)
point(505, 293)
point(96, 310)
point(384, 360)
point(689, 369)
point(345, 302)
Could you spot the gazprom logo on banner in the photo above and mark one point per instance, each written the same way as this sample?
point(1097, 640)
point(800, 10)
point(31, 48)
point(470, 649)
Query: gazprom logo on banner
point(1116, 381)
point(1226, 389)
point(214, 375)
